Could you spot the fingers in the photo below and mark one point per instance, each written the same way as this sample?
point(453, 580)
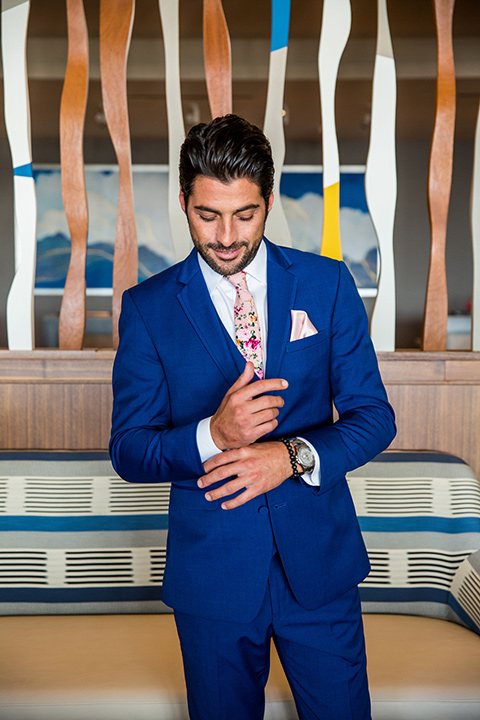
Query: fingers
point(241, 499)
point(240, 420)
point(244, 379)
point(266, 402)
point(220, 460)
point(252, 390)
point(249, 471)
point(262, 386)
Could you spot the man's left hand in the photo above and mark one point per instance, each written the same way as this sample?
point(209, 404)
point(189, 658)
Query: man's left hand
point(258, 468)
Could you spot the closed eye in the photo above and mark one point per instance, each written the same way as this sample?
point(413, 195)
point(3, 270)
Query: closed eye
point(245, 218)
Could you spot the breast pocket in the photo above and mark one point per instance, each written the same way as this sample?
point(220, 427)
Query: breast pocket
point(319, 338)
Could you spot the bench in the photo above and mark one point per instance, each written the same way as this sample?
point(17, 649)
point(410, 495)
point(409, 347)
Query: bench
point(84, 633)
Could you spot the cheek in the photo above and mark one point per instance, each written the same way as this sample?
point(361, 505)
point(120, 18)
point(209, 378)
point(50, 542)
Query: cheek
point(253, 231)
point(203, 232)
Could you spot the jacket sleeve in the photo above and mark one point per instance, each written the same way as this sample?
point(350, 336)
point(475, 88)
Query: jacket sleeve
point(366, 421)
point(144, 445)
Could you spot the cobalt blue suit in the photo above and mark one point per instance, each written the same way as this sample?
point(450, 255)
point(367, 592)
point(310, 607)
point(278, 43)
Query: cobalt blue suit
point(175, 363)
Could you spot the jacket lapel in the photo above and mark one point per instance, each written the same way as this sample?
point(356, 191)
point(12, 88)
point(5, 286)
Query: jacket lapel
point(281, 292)
point(198, 306)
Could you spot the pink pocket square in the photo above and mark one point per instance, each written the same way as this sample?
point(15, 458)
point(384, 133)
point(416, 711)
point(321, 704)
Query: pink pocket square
point(301, 325)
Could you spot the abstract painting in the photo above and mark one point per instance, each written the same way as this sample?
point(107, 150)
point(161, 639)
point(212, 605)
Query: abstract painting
point(301, 191)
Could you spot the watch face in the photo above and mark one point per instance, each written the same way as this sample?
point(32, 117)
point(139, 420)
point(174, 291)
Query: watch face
point(305, 457)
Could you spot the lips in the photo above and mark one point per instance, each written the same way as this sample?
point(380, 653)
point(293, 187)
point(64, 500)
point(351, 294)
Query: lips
point(226, 254)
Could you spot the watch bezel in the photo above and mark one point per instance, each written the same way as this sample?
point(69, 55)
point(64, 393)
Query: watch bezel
point(301, 448)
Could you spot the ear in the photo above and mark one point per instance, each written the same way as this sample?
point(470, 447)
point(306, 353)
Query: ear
point(181, 197)
point(270, 202)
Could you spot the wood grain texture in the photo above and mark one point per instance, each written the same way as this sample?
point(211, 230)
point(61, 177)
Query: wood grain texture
point(218, 67)
point(63, 400)
point(74, 194)
point(53, 399)
point(436, 398)
point(116, 21)
point(440, 181)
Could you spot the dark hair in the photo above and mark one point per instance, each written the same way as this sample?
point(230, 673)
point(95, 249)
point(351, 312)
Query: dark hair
point(228, 148)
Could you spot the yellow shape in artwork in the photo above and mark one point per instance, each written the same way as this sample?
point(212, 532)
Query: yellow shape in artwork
point(331, 245)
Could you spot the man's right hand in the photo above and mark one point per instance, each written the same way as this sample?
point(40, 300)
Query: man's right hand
point(246, 413)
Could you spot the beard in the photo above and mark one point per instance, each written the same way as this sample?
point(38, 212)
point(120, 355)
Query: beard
point(227, 267)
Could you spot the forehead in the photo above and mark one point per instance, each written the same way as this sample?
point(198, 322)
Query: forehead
point(213, 193)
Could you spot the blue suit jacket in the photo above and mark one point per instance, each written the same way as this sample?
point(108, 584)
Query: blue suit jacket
point(175, 363)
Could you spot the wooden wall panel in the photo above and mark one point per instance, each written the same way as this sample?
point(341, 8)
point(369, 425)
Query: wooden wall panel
point(63, 400)
point(436, 397)
point(55, 400)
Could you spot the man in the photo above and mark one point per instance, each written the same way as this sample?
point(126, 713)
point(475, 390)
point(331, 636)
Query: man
point(263, 537)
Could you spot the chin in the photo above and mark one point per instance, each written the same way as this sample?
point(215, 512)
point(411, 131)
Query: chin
point(227, 267)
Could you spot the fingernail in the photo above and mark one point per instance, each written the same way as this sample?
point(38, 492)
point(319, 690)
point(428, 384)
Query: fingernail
point(284, 383)
point(200, 483)
point(224, 507)
point(208, 496)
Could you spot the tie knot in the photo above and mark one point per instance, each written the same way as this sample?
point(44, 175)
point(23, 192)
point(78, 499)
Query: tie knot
point(238, 280)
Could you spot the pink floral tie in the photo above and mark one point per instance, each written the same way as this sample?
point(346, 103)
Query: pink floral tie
point(247, 326)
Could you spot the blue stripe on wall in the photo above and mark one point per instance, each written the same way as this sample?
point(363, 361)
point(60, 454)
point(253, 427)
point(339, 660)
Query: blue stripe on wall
point(95, 523)
point(23, 170)
point(280, 24)
point(90, 594)
point(419, 524)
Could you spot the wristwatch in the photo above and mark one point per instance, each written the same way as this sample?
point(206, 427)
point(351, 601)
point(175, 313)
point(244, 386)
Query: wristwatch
point(304, 455)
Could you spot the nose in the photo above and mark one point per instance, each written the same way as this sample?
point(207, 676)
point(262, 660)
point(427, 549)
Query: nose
point(227, 234)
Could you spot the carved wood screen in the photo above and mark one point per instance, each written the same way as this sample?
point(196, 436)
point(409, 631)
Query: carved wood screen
point(74, 193)
point(116, 21)
point(440, 181)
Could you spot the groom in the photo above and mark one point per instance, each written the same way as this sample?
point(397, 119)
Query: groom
point(228, 367)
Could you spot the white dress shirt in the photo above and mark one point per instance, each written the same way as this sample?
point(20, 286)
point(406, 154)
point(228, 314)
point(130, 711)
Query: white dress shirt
point(223, 295)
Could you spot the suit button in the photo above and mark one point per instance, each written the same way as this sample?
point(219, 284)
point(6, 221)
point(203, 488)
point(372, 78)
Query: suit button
point(263, 510)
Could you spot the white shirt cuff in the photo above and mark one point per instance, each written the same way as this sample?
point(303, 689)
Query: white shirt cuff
point(205, 444)
point(312, 478)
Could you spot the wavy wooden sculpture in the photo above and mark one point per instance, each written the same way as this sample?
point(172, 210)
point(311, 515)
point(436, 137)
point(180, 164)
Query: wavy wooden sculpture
point(216, 48)
point(72, 118)
point(381, 182)
point(440, 181)
point(176, 129)
point(277, 225)
point(20, 308)
point(475, 214)
point(116, 21)
point(336, 24)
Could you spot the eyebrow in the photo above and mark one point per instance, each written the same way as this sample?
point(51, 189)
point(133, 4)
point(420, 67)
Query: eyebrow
point(204, 208)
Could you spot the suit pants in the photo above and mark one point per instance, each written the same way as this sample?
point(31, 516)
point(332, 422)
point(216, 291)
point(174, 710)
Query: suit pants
point(322, 653)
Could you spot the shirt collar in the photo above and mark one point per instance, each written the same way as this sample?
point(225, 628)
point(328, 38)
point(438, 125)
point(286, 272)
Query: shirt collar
point(257, 269)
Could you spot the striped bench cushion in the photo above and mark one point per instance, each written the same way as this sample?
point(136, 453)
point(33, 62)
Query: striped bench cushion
point(75, 538)
point(420, 518)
